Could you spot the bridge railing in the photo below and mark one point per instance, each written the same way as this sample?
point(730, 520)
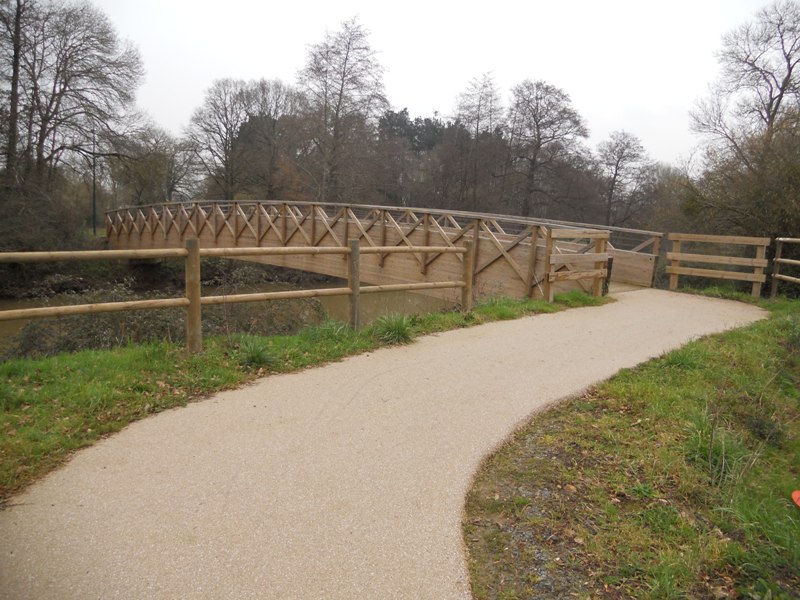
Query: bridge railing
point(193, 299)
point(506, 255)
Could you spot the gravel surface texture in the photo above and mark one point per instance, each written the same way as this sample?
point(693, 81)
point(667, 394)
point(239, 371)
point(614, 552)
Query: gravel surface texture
point(343, 481)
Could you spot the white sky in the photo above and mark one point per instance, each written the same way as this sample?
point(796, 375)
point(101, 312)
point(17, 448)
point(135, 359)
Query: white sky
point(637, 65)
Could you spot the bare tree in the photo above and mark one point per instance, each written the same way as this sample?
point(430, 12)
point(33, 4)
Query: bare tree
point(213, 133)
point(343, 86)
point(750, 123)
point(272, 111)
point(480, 111)
point(544, 128)
point(150, 166)
point(75, 76)
point(760, 82)
point(625, 170)
point(12, 19)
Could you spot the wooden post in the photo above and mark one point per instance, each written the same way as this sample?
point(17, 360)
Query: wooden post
point(597, 283)
point(382, 257)
point(776, 268)
point(673, 277)
point(313, 224)
point(532, 259)
point(354, 283)
point(468, 273)
point(346, 212)
point(656, 252)
point(285, 224)
point(761, 253)
point(426, 224)
point(194, 331)
point(548, 291)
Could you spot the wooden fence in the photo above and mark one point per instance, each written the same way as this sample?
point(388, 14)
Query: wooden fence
point(757, 263)
point(582, 261)
point(780, 261)
point(193, 300)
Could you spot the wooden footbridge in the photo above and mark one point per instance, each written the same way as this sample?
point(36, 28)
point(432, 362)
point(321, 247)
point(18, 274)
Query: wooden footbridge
point(510, 256)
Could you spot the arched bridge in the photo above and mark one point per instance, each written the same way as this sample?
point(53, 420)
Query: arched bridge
point(511, 256)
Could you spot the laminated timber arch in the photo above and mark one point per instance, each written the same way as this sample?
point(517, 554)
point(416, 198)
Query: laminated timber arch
point(509, 254)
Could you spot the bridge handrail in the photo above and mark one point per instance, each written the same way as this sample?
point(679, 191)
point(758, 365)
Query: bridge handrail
point(431, 211)
point(193, 299)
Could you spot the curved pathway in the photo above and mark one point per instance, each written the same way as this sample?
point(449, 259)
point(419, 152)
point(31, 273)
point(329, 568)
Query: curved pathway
point(344, 481)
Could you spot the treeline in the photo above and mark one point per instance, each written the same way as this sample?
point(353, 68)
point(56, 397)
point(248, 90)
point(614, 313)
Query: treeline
point(68, 119)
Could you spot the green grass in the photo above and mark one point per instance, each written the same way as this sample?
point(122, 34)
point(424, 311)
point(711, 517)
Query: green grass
point(672, 480)
point(50, 407)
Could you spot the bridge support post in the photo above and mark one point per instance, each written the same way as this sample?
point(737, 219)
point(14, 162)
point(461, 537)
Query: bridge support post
point(354, 283)
point(194, 331)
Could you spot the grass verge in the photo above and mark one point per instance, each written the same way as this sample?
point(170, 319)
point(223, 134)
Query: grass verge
point(672, 480)
point(52, 406)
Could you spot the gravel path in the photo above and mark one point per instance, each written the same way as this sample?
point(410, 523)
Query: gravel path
point(344, 481)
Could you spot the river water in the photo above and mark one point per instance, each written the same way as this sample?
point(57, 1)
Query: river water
point(337, 307)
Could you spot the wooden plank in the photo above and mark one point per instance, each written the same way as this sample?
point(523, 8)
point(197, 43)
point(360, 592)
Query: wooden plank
point(412, 249)
point(532, 255)
point(61, 256)
point(776, 269)
point(715, 274)
point(720, 239)
point(468, 275)
point(576, 275)
point(634, 268)
point(599, 266)
point(674, 264)
point(548, 291)
point(194, 325)
point(578, 259)
point(499, 245)
point(504, 250)
point(781, 277)
point(761, 253)
point(409, 287)
point(89, 309)
point(652, 241)
point(273, 251)
point(264, 296)
point(579, 234)
point(786, 261)
point(354, 283)
point(718, 260)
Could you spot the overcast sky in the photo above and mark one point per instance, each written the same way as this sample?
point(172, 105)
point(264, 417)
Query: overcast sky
point(637, 65)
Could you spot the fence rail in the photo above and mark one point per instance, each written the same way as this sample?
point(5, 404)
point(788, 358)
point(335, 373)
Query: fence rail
point(193, 300)
point(758, 263)
point(778, 261)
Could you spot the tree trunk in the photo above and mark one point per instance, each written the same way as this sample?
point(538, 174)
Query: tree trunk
point(13, 113)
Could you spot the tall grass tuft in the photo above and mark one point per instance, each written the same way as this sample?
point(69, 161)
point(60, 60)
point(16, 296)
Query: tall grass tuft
point(394, 329)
